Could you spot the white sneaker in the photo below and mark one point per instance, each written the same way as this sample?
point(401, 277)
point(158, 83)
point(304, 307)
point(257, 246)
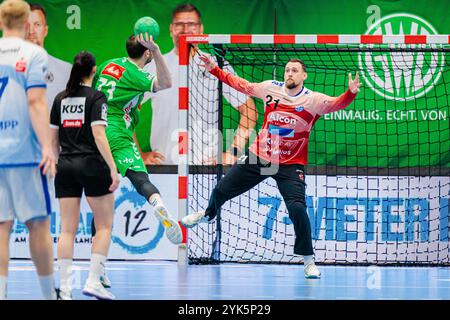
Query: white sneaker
point(96, 289)
point(64, 294)
point(311, 271)
point(104, 280)
point(193, 219)
point(173, 229)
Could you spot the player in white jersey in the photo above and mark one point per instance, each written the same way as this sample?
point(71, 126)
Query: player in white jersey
point(204, 113)
point(26, 155)
point(58, 70)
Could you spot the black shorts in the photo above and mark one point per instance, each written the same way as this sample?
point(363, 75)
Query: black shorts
point(77, 173)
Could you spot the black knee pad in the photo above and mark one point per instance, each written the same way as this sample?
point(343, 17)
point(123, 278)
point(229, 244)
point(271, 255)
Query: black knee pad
point(142, 183)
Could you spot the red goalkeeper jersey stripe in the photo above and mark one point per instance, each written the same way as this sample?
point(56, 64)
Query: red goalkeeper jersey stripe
point(288, 120)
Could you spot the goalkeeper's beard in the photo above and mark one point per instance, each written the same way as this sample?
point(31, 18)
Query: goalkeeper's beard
point(290, 84)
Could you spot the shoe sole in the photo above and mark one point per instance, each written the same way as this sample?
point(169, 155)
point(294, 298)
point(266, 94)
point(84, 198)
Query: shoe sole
point(173, 229)
point(90, 294)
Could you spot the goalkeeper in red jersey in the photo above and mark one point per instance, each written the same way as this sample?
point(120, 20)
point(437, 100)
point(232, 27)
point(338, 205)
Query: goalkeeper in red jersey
point(280, 149)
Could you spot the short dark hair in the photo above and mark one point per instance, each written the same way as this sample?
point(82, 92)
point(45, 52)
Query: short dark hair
point(37, 6)
point(299, 61)
point(135, 50)
point(186, 7)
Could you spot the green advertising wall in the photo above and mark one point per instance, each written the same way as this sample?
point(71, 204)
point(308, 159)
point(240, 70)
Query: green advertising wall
point(103, 26)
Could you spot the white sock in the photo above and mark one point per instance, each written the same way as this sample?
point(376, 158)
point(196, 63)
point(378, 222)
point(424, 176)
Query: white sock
point(48, 287)
point(97, 266)
point(156, 200)
point(65, 274)
point(3, 288)
point(308, 259)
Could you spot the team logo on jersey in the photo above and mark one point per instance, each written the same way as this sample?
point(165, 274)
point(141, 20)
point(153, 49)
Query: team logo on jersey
point(401, 75)
point(114, 70)
point(21, 65)
point(72, 112)
point(299, 108)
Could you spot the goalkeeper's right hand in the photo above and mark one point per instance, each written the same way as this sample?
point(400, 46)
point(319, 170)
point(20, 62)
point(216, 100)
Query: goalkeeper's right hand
point(208, 63)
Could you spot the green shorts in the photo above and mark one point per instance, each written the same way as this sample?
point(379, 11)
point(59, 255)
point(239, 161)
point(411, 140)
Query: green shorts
point(128, 158)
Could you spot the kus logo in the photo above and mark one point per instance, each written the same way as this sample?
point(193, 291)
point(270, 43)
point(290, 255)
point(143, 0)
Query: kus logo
point(401, 75)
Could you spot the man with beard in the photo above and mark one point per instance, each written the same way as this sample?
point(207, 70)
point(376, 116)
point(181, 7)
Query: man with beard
point(281, 148)
point(124, 83)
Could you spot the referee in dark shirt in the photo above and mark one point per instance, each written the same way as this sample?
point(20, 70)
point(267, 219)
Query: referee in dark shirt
point(78, 119)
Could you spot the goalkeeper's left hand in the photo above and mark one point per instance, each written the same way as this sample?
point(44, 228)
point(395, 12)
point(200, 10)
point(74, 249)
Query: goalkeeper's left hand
point(354, 85)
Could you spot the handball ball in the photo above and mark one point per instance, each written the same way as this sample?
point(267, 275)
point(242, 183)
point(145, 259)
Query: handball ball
point(147, 24)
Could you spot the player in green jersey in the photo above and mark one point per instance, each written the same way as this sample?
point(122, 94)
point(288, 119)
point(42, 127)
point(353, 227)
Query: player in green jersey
point(124, 83)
